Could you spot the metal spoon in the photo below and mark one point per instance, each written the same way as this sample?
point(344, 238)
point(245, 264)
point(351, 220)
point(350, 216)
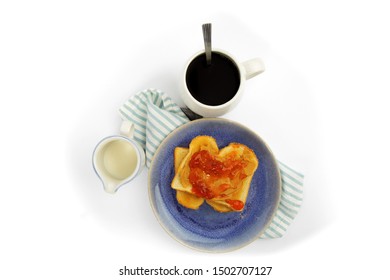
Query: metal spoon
point(207, 41)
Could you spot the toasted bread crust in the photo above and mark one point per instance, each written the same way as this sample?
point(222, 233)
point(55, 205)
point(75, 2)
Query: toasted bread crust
point(181, 183)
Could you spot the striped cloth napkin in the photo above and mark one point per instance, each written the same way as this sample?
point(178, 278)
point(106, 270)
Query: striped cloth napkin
point(155, 115)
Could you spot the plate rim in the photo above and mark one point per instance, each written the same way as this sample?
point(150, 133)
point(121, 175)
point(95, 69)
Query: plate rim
point(279, 185)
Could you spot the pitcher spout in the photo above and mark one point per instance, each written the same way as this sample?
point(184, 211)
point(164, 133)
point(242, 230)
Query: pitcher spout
point(110, 187)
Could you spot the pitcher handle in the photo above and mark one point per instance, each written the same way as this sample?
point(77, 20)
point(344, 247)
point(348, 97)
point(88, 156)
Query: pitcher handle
point(127, 129)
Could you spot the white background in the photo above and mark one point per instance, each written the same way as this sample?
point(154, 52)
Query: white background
point(322, 106)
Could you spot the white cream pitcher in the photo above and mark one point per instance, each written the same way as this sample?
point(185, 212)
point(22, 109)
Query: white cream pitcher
point(118, 159)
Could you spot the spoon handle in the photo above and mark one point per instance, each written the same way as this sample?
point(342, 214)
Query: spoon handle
point(207, 41)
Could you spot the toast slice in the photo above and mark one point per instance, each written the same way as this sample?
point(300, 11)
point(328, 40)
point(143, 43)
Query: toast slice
point(232, 196)
point(185, 198)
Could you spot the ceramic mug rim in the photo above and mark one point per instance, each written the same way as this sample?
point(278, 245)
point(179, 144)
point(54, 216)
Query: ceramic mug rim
point(236, 95)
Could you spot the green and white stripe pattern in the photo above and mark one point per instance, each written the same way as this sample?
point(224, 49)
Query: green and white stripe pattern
point(290, 202)
point(155, 115)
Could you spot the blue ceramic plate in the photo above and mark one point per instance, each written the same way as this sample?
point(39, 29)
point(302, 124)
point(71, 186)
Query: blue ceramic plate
point(205, 229)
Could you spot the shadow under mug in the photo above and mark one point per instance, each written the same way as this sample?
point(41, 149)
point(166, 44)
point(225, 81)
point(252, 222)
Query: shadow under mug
point(118, 159)
point(244, 70)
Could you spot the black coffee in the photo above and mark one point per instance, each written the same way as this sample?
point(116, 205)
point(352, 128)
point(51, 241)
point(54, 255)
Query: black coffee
point(213, 84)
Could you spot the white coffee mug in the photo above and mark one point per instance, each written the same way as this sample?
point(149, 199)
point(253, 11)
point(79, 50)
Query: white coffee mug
point(118, 159)
point(246, 70)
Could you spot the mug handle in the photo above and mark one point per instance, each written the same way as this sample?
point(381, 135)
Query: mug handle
point(127, 129)
point(253, 67)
